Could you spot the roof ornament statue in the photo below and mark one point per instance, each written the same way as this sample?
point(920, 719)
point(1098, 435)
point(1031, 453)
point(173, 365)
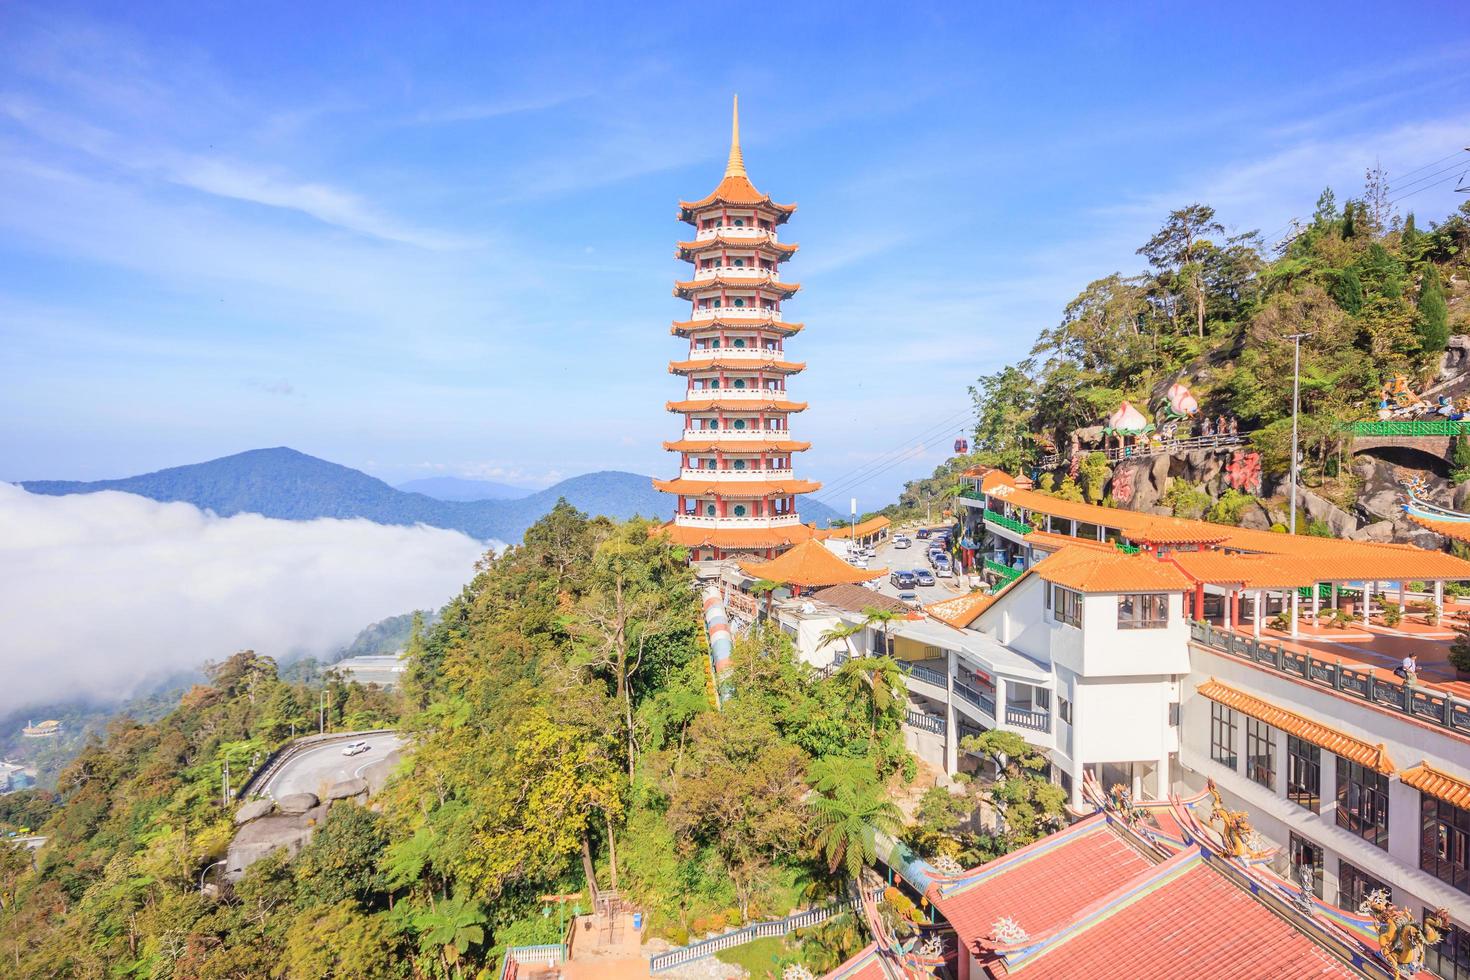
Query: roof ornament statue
point(1402, 942)
point(1008, 932)
point(1240, 839)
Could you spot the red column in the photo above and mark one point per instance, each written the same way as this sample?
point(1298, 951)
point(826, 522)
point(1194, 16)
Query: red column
point(1235, 610)
point(1199, 600)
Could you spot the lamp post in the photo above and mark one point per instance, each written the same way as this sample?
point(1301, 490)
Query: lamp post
point(1296, 399)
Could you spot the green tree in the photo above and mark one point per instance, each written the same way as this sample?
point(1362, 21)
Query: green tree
point(1433, 322)
point(1177, 253)
point(449, 929)
point(342, 942)
point(848, 817)
point(1030, 806)
point(341, 862)
point(1094, 473)
point(1003, 407)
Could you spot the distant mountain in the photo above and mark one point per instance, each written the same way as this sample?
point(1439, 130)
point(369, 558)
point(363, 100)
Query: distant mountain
point(456, 488)
point(293, 486)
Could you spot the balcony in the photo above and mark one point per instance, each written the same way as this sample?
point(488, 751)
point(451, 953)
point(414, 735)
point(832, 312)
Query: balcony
point(736, 272)
point(736, 393)
point(1009, 523)
point(733, 232)
point(733, 476)
point(974, 698)
point(755, 354)
point(753, 313)
point(735, 435)
point(743, 523)
point(1028, 718)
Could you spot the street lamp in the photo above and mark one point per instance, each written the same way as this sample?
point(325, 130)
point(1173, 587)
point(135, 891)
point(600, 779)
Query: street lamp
point(1296, 401)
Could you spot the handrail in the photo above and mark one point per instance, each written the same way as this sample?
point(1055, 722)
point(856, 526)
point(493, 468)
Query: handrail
point(1409, 427)
point(284, 754)
point(1436, 707)
point(739, 937)
point(1007, 573)
point(920, 672)
point(1149, 449)
point(1038, 721)
point(926, 722)
point(979, 699)
point(1010, 523)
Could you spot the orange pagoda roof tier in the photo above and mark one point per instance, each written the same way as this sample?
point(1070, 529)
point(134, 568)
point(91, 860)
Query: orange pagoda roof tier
point(736, 405)
point(737, 446)
point(737, 539)
point(810, 565)
point(782, 251)
point(773, 324)
point(736, 187)
point(736, 488)
point(735, 364)
point(686, 289)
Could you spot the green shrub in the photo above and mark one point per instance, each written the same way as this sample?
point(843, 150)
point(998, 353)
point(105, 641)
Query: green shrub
point(1231, 507)
point(1392, 614)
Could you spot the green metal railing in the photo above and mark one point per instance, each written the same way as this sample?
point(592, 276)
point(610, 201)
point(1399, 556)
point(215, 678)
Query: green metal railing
point(1410, 427)
point(1127, 549)
point(1007, 573)
point(1010, 523)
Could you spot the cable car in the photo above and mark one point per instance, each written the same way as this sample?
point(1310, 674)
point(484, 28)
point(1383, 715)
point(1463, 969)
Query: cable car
point(961, 446)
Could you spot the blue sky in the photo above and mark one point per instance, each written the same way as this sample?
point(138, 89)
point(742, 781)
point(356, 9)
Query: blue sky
point(426, 240)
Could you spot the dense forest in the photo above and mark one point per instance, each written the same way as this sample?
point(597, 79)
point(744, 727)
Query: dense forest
point(563, 725)
point(1378, 296)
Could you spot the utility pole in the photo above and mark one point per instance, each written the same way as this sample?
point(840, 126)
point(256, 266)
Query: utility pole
point(1296, 402)
point(321, 711)
point(854, 525)
point(226, 780)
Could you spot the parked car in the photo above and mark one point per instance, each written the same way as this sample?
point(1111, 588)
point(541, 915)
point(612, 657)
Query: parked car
point(923, 577)
point(859, 562)
point(936, 555)
point(923, 532)
point(902, 543)
point(902, 580)
point(910, 597)
point(943, 570)
point(355, 748)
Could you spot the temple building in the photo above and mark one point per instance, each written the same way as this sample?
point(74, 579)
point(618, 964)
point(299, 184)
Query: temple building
point(736, 489)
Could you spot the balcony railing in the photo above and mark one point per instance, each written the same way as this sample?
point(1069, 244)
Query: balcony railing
point(926, 723)
point(1409, 427)
point(736, 313)
point(1009, 523)
point(735, 353)
point(1036, 721)
point(732, 232)
point(736, 272)
point(1435, 707)
point(919, 672)
point(735, 435)
point(1006, 573)
point(734, 476)
point(749, 523)
point(736, 393)
point(978, 699)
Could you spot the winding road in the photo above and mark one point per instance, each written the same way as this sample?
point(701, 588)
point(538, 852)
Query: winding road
point(315, 769)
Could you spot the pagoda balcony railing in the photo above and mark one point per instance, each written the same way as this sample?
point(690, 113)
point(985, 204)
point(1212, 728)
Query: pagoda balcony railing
point(743, 523)
point(736, 354)
point(733, 232)
point(735, 476)
point(737, 313)
point(725, 393)
point(736, 435)
point(736, 272)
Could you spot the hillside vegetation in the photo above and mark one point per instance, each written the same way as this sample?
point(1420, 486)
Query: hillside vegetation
point(1378, 294)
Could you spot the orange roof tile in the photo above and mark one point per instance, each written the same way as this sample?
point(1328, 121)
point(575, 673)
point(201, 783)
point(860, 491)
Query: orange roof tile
point(1047, 541)
point(1458, 530)
point(741, 446)
point(770, 324)
point(1439, 784)
point(960, 611)
point(722, 241)
point(871, 526)
point(1092, 570)
point(1167, 530)
point(733, 404)
point(735, 488)
point(736, 188)
point(1334, 741)
point(736, 364)
point(737, 539)
point(810, 564)
point(1248, 571)
point(770, 283)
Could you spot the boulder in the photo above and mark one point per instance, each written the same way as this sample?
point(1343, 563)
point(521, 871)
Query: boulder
point(1381, 531)
point(1320, 509)
point(254, 810)
point(1256, 517)
point(1460, 495)
point(1380, 496)
point(347, 788)
point(262, 836)
point(297, 803)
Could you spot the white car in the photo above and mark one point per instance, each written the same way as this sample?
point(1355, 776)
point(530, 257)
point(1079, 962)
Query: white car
point(355, 748)
point(943, 571)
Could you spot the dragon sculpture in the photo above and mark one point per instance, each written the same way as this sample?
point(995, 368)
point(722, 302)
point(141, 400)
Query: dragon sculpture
point(1401, 940)
point(1120, 801)
point(1237, 834)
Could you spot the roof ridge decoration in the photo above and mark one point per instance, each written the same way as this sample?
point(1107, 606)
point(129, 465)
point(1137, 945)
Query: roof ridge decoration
point(1339, 743)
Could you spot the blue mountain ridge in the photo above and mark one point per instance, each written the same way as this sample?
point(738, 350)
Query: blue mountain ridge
point(293, 486)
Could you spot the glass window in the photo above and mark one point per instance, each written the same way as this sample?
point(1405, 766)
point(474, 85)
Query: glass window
point(1260, 753)
point(739, 510)
point(1303, 774)
point(1353, 886)
point(740, 302)
point(1222, 734)
point(1064, 709)
point(1450, 958)
point(1362, 802)
point(1444, 849)
point(1066, 606)
point(1149, 611)
point(1304, 854)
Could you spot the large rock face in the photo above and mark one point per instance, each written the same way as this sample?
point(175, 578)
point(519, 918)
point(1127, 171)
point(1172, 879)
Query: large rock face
point(1342, 523)
point(254, 810)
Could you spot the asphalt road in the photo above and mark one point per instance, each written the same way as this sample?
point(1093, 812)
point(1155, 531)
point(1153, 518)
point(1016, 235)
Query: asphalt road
point(313, 770)
point(911, 559)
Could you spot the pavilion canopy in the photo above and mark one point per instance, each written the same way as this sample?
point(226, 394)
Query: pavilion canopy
point(810, 565)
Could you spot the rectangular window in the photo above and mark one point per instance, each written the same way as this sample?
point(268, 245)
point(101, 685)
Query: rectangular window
point(1449, 958)
point(1146, 611)
point(1306, 855)
point(1260, 753)
point(1353, 886)
point(1362, 802)
point(1304, 774)
point(1066, 606)
point(1064, 709)
point(1173, 714)
point(1444, 849)
point(1222, 734)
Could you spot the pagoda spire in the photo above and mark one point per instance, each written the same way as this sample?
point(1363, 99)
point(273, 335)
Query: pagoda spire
point(736, 166)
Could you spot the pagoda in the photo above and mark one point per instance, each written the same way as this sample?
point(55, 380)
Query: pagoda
point(736, 488)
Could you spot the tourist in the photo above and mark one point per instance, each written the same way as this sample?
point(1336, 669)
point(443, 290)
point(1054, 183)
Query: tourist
point(1408, 670)
point(1205, 429)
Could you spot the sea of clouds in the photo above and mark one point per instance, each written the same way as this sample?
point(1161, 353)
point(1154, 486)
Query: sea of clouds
point(102, 594)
